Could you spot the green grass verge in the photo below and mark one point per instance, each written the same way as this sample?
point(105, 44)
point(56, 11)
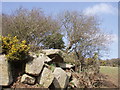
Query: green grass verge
point(112, 72)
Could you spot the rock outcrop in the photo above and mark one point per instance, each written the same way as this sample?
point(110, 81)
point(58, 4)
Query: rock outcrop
point(47, 69)
point(35, 66)
point(58, 55)
point(5, 72)
point(61, 78)
point(52, 51)
point(46, 78)
point(45, 57)
point(55, 54)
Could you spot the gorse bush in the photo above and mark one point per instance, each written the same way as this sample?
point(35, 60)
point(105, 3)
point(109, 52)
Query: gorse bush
point(13, 48)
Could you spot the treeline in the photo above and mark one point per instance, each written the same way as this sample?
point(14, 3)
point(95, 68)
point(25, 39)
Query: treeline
point(110, 62)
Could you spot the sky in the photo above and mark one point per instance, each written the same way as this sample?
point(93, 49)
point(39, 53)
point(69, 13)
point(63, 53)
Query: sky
point(107, 13)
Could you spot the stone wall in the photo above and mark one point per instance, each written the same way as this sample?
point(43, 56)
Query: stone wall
point(46, 69)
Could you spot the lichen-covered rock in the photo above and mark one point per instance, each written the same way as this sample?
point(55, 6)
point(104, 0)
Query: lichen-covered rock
point(35, 66)
point(54, 54)
point(5, 72)
point(65, 65)
point(46, 78)
point(52, 51)
point(61, 78)
point(45, 57)
point(27, 79)
point(69, 74)
point(58, 55)
point(35, 55)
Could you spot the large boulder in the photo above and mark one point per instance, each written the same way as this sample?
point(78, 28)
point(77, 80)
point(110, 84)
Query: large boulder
point(58, 55)
point(54, 54)
point(35, 66)
point(45, 57)
point(5, 72)
point(69, 74)
point(46, 78)
point(61, 78)
point(27, 79)
point(52, 51)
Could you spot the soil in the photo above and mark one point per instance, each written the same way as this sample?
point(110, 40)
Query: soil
point(18, 84)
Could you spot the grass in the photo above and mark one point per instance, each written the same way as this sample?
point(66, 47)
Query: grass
point(112, 73)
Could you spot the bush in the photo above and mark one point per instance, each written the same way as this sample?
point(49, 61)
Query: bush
point(14, 49)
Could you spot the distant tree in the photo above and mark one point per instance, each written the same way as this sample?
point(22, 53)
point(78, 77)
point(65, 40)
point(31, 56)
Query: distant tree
point(113, 62)
point(110, 62)
point(103, 63)
point(54, 41)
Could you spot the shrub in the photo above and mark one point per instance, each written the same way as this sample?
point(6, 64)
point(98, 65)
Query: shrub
point(14, 49)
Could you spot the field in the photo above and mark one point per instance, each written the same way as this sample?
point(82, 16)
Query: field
point(111, 72)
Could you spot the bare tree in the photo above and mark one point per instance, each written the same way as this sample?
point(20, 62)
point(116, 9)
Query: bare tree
point(83, 35)
point(30, 25)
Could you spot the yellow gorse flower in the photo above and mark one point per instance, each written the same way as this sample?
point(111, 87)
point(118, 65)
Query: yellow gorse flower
point(24, 42)
point(13, 48)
